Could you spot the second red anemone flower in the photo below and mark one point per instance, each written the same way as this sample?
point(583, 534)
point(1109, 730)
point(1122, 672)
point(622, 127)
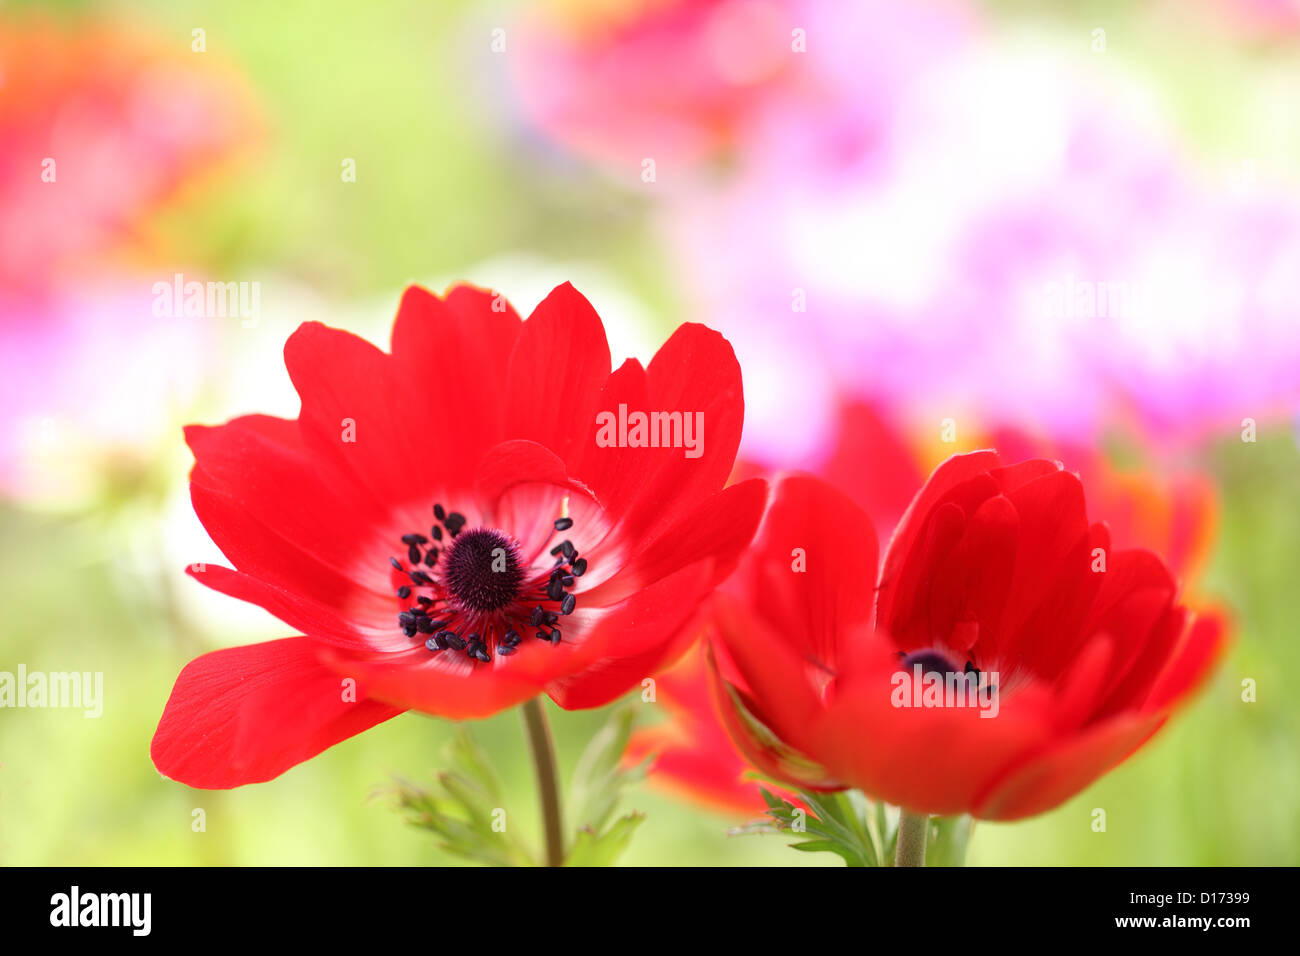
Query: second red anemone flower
point(448, 531)
point(993, 570)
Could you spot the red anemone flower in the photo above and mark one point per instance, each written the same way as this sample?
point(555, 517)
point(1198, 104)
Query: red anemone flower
point(993, 571)
point(452, 529)
point(873, 463)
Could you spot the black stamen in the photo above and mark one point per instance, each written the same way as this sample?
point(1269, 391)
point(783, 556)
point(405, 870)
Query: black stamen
point(481, 580)
point(477, 649)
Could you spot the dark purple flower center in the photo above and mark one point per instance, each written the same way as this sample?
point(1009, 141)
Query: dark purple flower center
point(934, 662)
point(481, 570)
point(930, 661)
point(473, 592)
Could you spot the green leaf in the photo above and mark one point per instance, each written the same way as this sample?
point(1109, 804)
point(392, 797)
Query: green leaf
point(467, 754)
point(463, 808)
point(599, 778)
point(590, 849)
point(839, 823)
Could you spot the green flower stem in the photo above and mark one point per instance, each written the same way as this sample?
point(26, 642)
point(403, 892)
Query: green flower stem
point(548, 784)
point(913, 834)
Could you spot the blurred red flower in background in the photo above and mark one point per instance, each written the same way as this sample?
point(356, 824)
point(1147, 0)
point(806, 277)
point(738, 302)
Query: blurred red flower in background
point(873, 464)
point(103, 128)
point(101, 125)
point(445, 528)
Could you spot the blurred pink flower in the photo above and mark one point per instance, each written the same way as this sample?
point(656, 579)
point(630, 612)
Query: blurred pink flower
point(682, 81)
point(1260, 19)
point(968, 224)
point(1022, 244)
point(92, 384)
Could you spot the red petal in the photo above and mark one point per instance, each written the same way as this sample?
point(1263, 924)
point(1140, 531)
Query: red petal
point(1052, 566)
point(903, 595)
point(761, 744)
point(629, 641)
point(419, 680)
point(972, 582)
point(828, 598)
point(1062, 770)
point(1132, 606)
point(961, 473)
point(452, 353)
point(695, 374)
point(321, 621)
point(787, 618)
point(716, 531)
point(247, 714)
point(952, 473)
point(927, 759)
point(556, 371)
point(357, 413)
point(1037, 785)
point(279, 513)
point(1188, 667)
point(512, 463)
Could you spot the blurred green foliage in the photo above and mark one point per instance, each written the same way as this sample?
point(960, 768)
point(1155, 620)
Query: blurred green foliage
point(445, 180)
